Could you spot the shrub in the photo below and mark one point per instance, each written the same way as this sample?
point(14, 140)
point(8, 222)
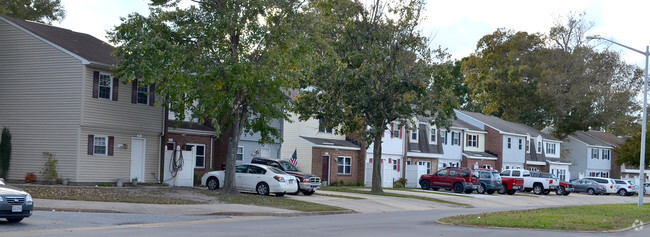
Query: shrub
point(400, 183)
point(5, 153)
point(30, 177)
point(49, 171)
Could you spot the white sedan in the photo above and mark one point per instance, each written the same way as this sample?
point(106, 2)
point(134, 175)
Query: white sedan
point(254, 178)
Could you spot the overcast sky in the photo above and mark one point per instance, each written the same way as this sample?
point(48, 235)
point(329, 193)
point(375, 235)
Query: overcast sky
point(453, 24)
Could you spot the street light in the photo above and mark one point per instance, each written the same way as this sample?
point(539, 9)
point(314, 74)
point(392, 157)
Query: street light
point(645, 113)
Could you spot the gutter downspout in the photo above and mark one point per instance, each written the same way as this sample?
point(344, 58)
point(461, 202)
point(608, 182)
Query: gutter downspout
point(163, 145)
point(405, 143)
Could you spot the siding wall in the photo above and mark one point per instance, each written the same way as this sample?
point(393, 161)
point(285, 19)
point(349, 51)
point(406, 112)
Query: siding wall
point(514, 154)
point(577, 154)
point(481, 142)
point(40, 102)
point(292, 141)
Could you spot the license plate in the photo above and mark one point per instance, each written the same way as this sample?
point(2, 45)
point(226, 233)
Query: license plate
point(16, 208)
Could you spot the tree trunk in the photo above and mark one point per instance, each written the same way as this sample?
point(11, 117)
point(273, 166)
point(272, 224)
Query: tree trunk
point(376, 165)
point(236, 129)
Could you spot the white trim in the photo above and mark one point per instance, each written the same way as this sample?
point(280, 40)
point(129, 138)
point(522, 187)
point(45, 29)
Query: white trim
point(106, 146)
point(99, 85)
point(557, 163)
point(424, 155)
point(190, 131)
point(344, 165)
point(242, 153)
point(204, 153)
point(329, 146)
point(479, 157)
point(475, 131)
point(535, 162)
point(83, 60)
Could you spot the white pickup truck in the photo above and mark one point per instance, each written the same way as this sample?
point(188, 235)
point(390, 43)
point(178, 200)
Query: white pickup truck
point(537, 184)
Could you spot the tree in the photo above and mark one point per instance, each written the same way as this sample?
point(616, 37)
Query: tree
point(373, 68)
point(235, 57)
point(630, 152)
point(5, 152)
point(45, 11)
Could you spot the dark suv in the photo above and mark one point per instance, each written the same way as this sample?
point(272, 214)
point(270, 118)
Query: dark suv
point(490, 181)
point(307, 183)
point(458, 179)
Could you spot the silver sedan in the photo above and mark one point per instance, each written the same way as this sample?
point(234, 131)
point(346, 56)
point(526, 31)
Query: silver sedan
point(254, 178)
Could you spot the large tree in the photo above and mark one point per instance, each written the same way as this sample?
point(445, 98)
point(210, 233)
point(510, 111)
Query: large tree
point(375, 68)
point(630, 152)
point(236, 58)
point(45, 11)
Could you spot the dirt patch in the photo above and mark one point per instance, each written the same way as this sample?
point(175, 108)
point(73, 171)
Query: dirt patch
point(140, 194)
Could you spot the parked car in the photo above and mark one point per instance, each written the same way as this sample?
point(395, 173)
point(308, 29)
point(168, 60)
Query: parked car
point(257, 178)
point(625, 187)
point(307, 183)
point(610, 184)
point(539, 185)
point(564, 188)
point(646, 188)
point(510, 185)
point(589, 186)
point(15, 204)
point(490, 181)
point(458, 179)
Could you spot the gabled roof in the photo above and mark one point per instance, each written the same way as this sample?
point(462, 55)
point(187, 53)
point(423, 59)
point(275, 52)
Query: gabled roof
point(507, 126)
point(466, 126)
point(331, 143)
point(607, 137)
point(82, 45)
point(589, 139)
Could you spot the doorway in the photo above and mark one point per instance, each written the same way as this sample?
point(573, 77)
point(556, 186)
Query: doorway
point(138, 151)
point(326, 168)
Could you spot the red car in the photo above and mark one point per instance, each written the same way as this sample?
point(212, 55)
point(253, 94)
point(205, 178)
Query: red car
point(458, 179)
point(511, 185)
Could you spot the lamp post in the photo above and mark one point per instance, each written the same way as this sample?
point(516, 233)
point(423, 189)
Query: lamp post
point(645, 112)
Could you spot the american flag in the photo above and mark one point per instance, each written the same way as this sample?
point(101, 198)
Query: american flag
point(294, 158)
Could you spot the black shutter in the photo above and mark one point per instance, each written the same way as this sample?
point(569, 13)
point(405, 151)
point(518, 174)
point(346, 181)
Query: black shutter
point(152, 96)
point(91, 144)
point(111, 143)
point(116, 83)
point(95, 84)
point(134, 92)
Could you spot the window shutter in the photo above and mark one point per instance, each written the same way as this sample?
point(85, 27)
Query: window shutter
point(116, 84)
point(152, 96)
point(477, 144)
point(134, 91)
point(370, 160)
point(91, 144)
point(400, 133)
point(95, 84)
point(390, 160)
point(111, 143)
point(398, 164)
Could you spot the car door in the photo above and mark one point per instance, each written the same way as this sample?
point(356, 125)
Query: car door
point(440, 178)
point(452, 175)
point(255, 175)
point(240, 175)
point(579, 186)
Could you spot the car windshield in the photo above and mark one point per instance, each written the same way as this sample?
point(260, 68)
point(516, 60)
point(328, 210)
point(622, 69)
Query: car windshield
point(496, 175)
point(276, 170)
point(288, 166)
point(552, 176)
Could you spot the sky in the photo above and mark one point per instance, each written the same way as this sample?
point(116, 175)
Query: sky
point(456, 25)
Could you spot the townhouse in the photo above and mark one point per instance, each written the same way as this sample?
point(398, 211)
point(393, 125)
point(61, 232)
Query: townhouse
point(59, 95)
point(617, 171)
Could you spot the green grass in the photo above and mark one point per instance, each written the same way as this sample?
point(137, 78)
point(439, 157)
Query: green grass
point(354, 189)
point(340, 196)
point(272, 201)
point(578, 218)
point(418, 190)
point(103, 194)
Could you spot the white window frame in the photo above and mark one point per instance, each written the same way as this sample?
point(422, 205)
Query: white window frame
point(95, 145)
point(323, 129)
point(240, 153)
point(343, 164)
point(394, 164)
point(550, 148)
point(520, 144)
point(443, 136)
point(509, 142)
point(486, 166)
point(605, 154)
point(414, 134)
point(595, 153)
point(472, 140)
point(539, 147)
point(432, 135)
point(527, 146)
point(196, 149)
point(427, 164)
point(145, 93)
point(455, 138)
point(395, 129)
point(105, 76)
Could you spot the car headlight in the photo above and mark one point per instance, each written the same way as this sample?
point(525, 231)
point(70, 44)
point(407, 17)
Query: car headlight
point(279, 178)
point(28, 199)
point(1, 199)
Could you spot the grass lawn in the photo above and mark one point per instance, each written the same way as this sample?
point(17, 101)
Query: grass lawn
point(353, 189)
point(577, 218)
point(272, 201)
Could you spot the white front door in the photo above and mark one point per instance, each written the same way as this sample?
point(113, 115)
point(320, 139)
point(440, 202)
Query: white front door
point(138, 151)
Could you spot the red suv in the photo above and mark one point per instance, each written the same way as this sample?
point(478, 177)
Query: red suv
point(458, 179)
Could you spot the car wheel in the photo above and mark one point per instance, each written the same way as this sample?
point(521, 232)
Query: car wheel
point(458, 188)
point(280, 194)
point(591, 191)
point(14, 219)
point(435, 189)
point(559, 191)
point(538, 189)
point(622, 192)
point(297, 190)
point(490, 192)
point(481, 189)
point(424, 184)
point(262, 189)
point(566, 193)
point(503, 189)
point(308, 193)
point(511, 192)
point(212, 183)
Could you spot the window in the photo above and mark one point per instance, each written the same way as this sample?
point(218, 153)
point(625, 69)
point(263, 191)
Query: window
point(344, 164)
point(605, 154)
point(550, 148)
point(397, 132)
point(527, 145)
point(455, 136)
point(486, 167)
point(322, 128)
point(101, 145)
point(143, 95)
point(509, 143)
point(594, 153)
point(442, 173)
point(240, 153)
point(427, 164)
point(539, 147)
point(520, 143)
point(200, 156)
point(560, 173)
point(443, 137)
point(516, 173)
point(105, 86)
point(432, 135)
point(453, 173)
point(472, 140)
point(394, 164)
point(414, 135)
point(533, 169)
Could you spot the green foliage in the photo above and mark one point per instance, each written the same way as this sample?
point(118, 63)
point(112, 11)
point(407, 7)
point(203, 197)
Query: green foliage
point(30, 177)
point(236, 58)
point(400, 183)
point(373, 67)
point(630, 152)
point(45, 11)
point(49, 170)
point(5, 153)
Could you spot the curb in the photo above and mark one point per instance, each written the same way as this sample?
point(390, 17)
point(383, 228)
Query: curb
point(276, 214)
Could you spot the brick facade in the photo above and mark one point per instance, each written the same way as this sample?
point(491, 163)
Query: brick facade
point(357, 168)
point(183, 139)
point(434, 162)
point(469, 163)
point(540, 168)
point(494, 145)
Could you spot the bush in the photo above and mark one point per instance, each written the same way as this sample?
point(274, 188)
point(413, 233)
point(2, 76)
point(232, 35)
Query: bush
point(30, 177)
point(49, 171)
point(400, 183)
point(5, 153)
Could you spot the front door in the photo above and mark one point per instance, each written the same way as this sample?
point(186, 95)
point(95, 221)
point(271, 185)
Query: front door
point(138, 151)
point(326, 168)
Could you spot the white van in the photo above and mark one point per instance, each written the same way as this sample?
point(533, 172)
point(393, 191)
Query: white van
point(610, 184)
